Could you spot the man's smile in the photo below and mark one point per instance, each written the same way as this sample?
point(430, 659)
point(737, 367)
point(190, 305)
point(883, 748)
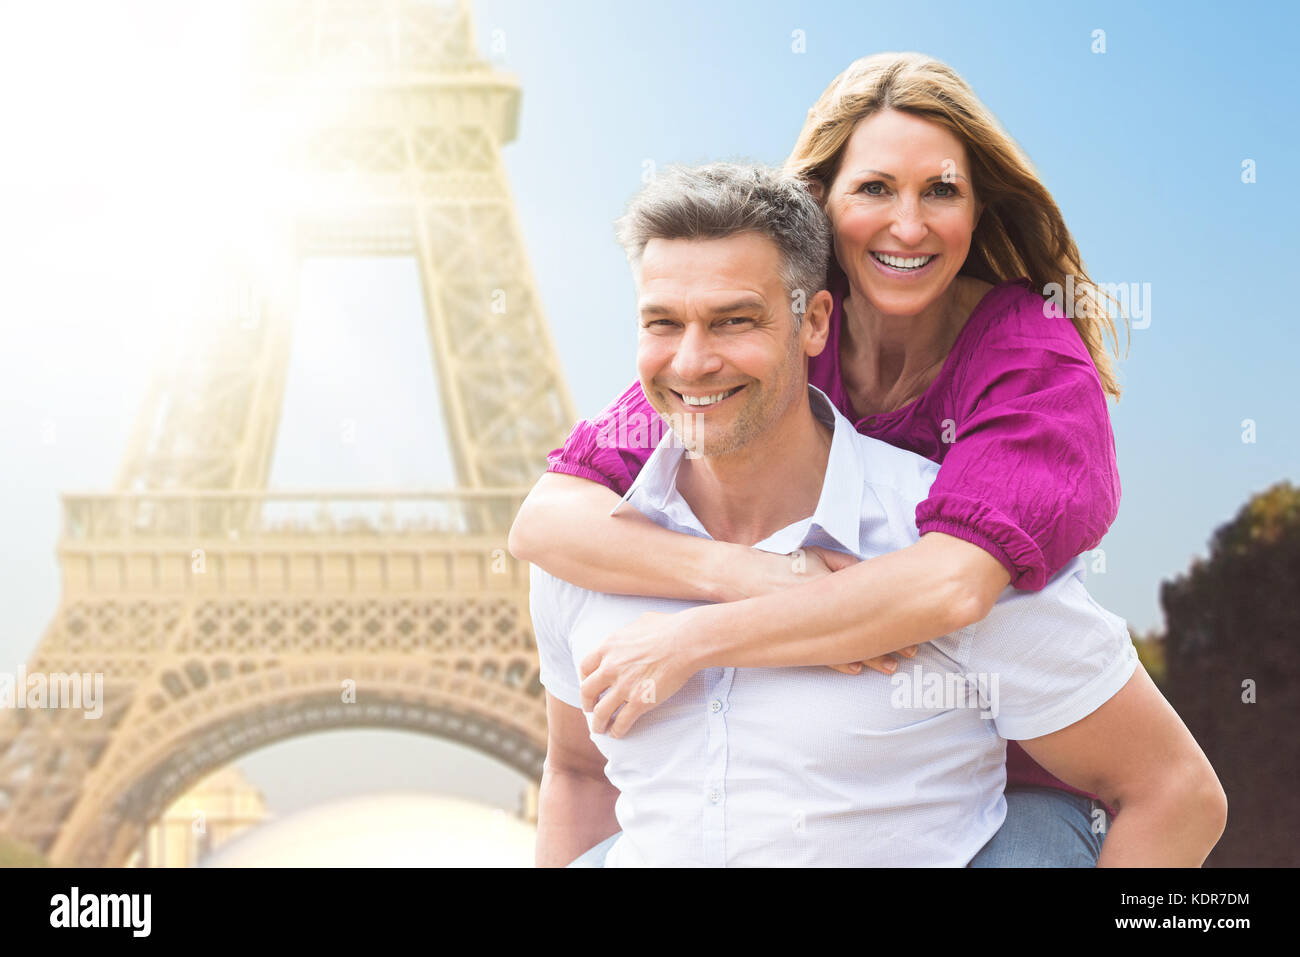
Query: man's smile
point(703, 399)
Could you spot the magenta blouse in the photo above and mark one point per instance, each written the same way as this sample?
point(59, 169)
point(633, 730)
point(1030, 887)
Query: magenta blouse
point(1016, 419)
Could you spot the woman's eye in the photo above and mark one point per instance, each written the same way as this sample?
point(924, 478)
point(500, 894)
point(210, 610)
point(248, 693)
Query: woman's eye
point(869, 188)
point(949, 190)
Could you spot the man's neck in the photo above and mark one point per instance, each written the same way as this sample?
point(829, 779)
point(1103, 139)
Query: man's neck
point(761, 488)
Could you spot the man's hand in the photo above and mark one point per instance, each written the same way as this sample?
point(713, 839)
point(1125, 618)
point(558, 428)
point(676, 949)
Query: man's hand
point(639, 666)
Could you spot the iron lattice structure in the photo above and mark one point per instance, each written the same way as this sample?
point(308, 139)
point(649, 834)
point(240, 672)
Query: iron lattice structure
point(225, 616)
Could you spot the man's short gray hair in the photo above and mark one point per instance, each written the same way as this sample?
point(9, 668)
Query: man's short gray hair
point(723, 199)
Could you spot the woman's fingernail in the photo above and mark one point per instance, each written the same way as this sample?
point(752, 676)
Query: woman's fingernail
point(891, 666)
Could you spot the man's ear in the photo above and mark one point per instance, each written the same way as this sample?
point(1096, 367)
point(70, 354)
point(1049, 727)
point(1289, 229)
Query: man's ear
point(817, 189)
point(816, 325)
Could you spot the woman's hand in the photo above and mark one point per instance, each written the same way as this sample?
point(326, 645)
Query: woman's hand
point(812, 562)
point(636, 667)
point(645, 663)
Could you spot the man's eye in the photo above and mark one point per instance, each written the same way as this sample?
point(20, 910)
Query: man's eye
point(731, 319)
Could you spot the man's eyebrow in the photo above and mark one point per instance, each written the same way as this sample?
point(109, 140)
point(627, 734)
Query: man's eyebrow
point(891, 178)
point(745, 304)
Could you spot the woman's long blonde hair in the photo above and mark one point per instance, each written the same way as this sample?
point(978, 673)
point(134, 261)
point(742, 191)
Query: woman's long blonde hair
point(1021, 231)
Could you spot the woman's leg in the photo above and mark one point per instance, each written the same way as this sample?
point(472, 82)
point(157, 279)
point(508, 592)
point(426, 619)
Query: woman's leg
point(595, 857)
point(1045, 828)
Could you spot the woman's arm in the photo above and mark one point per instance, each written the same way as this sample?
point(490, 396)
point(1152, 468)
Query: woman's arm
point(939, 585)
point(1030, 473)
point(565, 527)
point(929, 589)
point(934, 587)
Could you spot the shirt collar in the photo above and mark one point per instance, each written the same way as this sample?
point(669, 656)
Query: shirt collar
point(839, 507)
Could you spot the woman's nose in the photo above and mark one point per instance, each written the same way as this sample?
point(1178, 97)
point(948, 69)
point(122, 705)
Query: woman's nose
point(908, 227)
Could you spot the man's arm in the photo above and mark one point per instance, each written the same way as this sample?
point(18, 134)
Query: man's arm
point(1138, 755)
point(575, 805)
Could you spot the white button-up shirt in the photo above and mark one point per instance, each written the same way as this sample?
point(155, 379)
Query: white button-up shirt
point(811, 767)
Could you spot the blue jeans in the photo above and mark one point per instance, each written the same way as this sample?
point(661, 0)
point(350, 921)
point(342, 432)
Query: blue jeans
point(1044, 828)
point(595, 857)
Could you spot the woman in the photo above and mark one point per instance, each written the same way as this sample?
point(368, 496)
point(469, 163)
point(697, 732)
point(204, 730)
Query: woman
point(940, 344)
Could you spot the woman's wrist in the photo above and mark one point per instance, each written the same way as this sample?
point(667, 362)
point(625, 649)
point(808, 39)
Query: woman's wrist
point(733, 573)
point(699, 638)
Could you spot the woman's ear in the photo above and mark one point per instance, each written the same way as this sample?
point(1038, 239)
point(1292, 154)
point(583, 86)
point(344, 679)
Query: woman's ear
point(817, 189)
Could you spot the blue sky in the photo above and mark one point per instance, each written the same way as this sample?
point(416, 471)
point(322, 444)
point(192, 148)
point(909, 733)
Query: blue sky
point(105, 107)
point(1141, 146)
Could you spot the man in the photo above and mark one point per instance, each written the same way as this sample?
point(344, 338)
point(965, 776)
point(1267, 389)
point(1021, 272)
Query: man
point(809, 766)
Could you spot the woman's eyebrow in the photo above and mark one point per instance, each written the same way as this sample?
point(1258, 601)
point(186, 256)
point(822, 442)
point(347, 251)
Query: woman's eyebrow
point(892, 178)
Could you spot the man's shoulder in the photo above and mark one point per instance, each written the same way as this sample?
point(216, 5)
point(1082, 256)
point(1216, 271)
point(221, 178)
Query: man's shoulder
point(884, 464)
point(1065, 598)
point(543, 582)
point(889, 466)
point(554, 602)
point(540, 580)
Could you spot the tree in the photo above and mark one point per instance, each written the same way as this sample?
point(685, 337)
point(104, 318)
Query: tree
point(1234, 673)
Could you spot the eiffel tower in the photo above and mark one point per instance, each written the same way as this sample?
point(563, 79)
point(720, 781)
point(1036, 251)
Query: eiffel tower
point(224, 615)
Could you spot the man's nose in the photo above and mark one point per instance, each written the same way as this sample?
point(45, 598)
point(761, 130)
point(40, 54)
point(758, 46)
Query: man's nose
point(696, 356)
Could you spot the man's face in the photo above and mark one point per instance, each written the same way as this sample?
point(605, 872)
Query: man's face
point(718, 353)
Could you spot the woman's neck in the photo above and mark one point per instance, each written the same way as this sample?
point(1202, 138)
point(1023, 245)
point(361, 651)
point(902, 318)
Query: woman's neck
point(888, 361)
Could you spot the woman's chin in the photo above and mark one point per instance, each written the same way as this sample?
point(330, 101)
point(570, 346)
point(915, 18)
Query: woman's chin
point(900, 302)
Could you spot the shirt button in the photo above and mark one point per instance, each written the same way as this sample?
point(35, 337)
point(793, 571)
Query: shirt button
point(715, 705)
point(715, 796)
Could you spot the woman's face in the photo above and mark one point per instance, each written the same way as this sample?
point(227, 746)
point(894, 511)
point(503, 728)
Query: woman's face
point(902, 210)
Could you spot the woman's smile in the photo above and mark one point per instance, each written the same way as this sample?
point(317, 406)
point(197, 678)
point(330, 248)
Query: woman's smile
point(901, 267)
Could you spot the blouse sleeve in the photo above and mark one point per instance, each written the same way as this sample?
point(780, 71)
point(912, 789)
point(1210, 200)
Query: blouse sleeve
point(1032, 476)
point(612, 447)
